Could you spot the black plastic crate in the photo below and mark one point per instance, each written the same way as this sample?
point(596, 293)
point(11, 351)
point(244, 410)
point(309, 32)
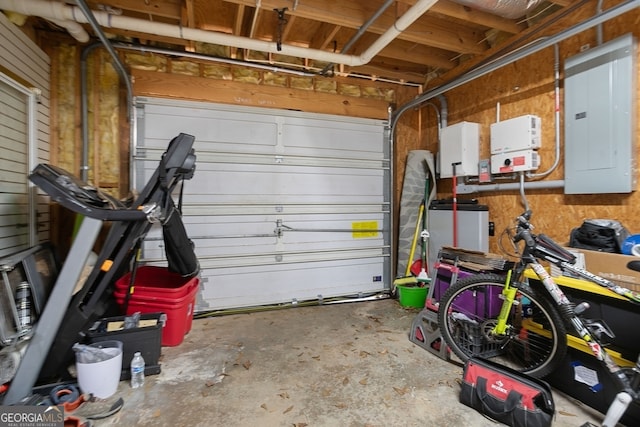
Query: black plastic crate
point(146, 339)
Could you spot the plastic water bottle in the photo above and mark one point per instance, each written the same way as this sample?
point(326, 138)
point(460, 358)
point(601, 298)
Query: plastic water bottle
point(137, 370)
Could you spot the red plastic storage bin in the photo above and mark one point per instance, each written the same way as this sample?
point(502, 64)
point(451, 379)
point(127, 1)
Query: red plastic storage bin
point(175, 296)
point(152, 281)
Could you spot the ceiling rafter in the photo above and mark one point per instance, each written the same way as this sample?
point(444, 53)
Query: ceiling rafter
point(188, 20)
point(324, 36)
point(236, 28)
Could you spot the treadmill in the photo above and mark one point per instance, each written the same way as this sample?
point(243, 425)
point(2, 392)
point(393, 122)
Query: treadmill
point(49, 351)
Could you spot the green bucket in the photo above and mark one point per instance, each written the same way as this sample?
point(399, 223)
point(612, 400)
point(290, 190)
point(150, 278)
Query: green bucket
point(412, 296)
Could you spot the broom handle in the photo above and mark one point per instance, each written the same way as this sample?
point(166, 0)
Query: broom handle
point(425, 224)
point(455, 204)
point(415, 240)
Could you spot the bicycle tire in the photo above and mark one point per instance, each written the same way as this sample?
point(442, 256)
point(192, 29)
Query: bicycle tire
point(535, 342)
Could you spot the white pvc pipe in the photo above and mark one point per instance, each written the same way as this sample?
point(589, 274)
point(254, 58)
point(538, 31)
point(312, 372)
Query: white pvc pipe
point(57, 13)
point(71, 14)
point(73, 28)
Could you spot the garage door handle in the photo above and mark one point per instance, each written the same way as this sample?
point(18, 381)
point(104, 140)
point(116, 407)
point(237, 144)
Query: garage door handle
point(280, 227)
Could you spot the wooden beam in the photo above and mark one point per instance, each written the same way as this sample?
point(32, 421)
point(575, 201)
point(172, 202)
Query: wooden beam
point(426, 30)
point(176, 86)
point(324, 36)
point(188, 20)
point(409, 53)
point(239, 19)
point(562, 3)
point(416, 53)
point(237, 27)
point(380, 70)
point(287, 28)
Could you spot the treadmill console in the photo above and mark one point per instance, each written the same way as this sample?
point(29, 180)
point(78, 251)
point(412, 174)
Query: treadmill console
point(80, 197)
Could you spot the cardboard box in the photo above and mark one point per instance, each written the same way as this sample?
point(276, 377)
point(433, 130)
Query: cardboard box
point(612, 267)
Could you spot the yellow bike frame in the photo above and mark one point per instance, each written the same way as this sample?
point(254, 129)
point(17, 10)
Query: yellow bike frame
point(508, 295)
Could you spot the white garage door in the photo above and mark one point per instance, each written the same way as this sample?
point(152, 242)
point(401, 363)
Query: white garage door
point(284, 206)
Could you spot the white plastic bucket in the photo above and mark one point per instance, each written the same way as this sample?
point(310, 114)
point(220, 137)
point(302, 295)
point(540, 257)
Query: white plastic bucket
point(101, 378)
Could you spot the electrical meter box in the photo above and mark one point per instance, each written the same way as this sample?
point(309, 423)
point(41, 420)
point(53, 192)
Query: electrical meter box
point(515, 161)
point(459, 149)
point(517, 134)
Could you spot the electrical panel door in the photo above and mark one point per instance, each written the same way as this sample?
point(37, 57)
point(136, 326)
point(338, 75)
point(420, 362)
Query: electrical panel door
point(600, 86)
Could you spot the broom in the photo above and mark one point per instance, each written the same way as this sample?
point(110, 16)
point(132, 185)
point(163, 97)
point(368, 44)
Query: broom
point(408, 278)
point(423, 278)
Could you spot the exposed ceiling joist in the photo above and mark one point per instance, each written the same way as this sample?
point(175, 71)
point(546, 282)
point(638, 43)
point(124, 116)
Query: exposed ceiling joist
point(436, 42)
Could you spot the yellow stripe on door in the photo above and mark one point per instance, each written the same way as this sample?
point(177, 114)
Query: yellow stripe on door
point(364, 229)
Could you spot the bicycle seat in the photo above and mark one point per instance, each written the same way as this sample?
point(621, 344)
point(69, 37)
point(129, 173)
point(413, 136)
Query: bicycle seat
point(634, 265)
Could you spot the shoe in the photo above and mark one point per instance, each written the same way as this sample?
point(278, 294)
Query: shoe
point(97, 409)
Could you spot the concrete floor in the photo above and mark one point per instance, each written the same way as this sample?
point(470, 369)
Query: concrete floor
point(333, 365)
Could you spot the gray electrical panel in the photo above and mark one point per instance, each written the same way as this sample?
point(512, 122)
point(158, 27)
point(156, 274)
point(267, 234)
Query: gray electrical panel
point(600, 90)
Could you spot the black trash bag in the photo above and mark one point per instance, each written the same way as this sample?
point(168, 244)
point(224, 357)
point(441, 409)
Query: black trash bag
point(603, 235)
point(180, 250)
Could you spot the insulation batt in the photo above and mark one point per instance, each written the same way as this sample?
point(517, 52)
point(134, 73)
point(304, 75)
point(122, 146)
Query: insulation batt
point(511, 9)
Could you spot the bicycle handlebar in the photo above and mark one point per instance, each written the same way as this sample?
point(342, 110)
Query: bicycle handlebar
point(523, 230)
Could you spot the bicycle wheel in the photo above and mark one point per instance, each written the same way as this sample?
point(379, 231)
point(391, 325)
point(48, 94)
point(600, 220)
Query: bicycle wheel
point(535, 339)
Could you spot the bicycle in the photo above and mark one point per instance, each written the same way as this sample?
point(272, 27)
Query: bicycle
point(524, 324)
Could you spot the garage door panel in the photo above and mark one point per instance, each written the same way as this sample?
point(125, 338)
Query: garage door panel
point(217, 130)
point(263, 255)
point(258, 236)
point(219, 157)
point(250, 286)
point(277, 197)
point(338, 141)
point(193, 208)
point(283, 184)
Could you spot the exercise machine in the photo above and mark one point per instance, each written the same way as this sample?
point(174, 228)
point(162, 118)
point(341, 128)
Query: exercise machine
point(49, 351)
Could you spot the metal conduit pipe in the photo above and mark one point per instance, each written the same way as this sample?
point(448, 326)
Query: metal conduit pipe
point(107, 44)
point(363, 28)
point(49, 9)
point(510, 58)
point(124, 77)
point(533, 185)
point(523, 196)
point(556, 79)
point(599, 37)
point(444, 109)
